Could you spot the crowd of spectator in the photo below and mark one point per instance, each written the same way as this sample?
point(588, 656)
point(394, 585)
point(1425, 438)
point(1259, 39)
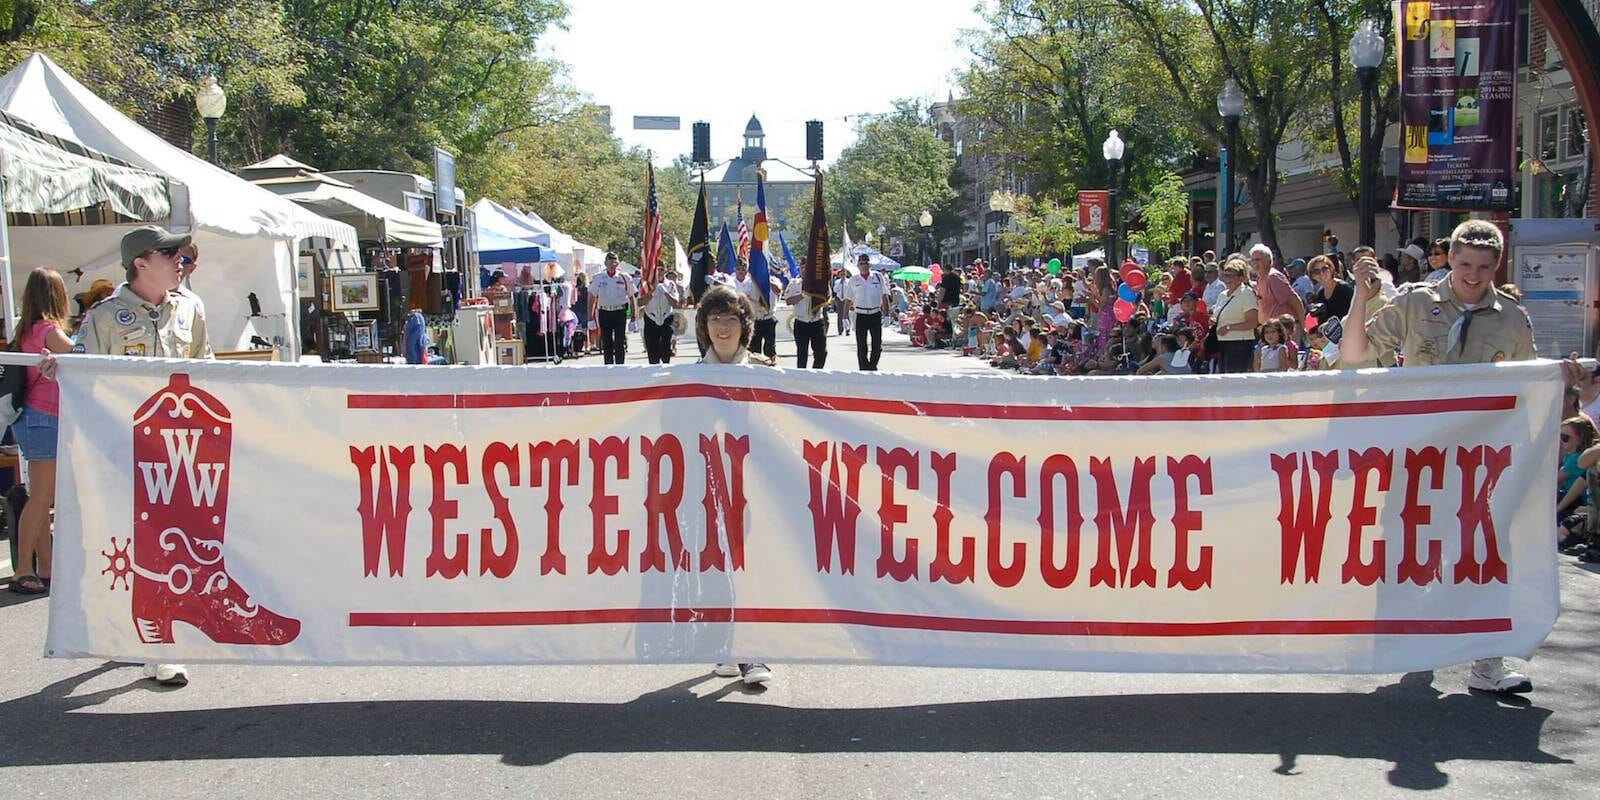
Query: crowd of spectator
point(1243, 312)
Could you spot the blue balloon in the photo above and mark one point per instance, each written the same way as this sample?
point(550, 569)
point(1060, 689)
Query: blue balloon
point(1127, 293)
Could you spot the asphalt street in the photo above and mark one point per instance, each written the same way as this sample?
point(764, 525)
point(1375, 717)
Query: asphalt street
point(72, 728)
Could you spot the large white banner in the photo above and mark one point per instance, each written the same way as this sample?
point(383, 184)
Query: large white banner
point(1361, 522)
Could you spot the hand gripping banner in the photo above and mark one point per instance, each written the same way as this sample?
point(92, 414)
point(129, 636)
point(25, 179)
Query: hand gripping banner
point(1373, 521)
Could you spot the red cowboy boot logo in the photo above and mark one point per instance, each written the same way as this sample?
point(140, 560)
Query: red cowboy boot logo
point(182, 441)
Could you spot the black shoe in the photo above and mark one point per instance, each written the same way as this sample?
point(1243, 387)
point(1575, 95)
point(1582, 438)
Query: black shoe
point(1590, 556)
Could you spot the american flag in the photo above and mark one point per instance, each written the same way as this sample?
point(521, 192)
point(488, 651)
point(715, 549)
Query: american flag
point(744, 233)
point(650, 259)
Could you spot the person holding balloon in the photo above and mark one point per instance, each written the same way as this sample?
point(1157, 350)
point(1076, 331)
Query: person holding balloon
point(1236, 320)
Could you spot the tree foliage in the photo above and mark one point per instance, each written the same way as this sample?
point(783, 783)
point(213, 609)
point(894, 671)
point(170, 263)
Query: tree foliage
point(897, 168)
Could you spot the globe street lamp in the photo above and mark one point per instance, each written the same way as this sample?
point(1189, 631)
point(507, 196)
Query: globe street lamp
point(926, 222)
point(211, 101)
point(1112, 149)
point(1230, 104)
point(1366, 52)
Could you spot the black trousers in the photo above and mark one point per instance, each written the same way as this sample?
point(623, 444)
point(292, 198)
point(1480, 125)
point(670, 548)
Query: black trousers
point(658, 341)
point(839, 310)
point(613, 335)
point(1236, 357)
point(869, 326)
point(765, 338)
point(811, 339)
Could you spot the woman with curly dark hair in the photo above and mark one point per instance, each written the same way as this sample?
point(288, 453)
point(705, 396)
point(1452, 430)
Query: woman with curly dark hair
point(724, 323)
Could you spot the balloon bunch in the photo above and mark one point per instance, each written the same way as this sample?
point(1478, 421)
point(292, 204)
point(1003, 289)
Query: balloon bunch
point(1133, 282)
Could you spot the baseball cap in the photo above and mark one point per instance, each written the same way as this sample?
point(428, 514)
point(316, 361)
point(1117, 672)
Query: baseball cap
point(1297, 263)
point(145, 238)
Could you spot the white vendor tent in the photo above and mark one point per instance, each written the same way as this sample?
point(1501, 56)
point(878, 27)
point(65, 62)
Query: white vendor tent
point(248, 238)
point(373, 219)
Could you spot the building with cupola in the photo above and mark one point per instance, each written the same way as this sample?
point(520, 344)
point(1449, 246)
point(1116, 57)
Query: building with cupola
point(787, 188)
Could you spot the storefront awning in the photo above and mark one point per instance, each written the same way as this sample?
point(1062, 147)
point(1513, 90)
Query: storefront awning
point(46, 179)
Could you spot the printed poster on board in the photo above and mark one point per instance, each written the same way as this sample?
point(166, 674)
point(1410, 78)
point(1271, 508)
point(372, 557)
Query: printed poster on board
point(1458, 111)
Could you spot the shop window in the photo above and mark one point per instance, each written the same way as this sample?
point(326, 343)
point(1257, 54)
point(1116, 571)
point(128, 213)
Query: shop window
point(1575, 133)
point(1549, 136)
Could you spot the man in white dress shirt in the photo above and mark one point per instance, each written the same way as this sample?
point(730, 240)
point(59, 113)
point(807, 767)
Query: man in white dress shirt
point(610, 295)
point(867, 298)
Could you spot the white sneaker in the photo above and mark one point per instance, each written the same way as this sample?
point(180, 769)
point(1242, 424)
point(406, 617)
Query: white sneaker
point(726, 670)
point(753, 674)
point(167, 674)
point(1491, 675)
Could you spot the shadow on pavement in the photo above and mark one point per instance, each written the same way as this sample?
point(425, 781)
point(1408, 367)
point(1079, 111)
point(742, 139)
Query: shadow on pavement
point(1408, 723)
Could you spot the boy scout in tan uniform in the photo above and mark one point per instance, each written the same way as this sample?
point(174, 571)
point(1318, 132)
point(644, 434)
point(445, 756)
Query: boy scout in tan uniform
point(131, 323)
point(1462, 319)
point(128, 324)
point(1424, 324)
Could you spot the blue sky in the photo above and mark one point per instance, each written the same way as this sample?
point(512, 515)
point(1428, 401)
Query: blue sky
point(786, 62)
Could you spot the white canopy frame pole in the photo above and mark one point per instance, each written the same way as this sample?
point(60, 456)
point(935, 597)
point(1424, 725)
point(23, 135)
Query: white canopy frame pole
point(9, 305)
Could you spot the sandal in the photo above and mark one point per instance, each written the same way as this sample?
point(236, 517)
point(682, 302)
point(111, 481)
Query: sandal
point(30, 584)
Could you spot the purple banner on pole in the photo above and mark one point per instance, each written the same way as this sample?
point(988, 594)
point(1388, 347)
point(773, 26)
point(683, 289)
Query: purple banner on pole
point(1458, 108)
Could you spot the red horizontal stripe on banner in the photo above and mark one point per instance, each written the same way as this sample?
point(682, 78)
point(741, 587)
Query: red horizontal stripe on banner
point(835, 616)
point(931, 409)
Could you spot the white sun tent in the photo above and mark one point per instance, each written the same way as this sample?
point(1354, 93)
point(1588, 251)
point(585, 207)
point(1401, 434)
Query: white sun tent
point(570, 252)
point(248, 238)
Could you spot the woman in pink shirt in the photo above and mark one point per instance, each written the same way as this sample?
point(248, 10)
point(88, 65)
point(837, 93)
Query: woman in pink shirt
point(43, 329)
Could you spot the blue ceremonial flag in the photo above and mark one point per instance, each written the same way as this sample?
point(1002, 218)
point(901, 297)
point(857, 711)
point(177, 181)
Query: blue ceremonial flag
point(758, 244)
point(788, 255)
point(725, 252)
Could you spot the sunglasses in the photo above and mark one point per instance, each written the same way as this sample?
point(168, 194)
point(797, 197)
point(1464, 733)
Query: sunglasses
point(1566, 438)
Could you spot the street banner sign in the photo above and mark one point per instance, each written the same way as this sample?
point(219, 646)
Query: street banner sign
point(1458, 108)
point(1373, 521)
point(1094, 209)
point(655, 123)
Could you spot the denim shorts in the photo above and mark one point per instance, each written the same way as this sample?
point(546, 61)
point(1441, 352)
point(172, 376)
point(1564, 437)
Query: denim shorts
point(36, 434)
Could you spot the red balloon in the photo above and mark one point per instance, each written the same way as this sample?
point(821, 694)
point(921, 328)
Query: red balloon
point(1123, 310)
point(1136, 279)
point(1126, 269)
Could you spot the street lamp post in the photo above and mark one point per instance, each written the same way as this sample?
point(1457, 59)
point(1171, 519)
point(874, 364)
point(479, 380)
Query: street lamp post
point(211, 102)
point(1112, 149)
point(1230, 104)
point(1366, 52)
point(926, 222)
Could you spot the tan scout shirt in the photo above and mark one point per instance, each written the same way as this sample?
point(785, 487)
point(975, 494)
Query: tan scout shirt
point(1417, 323)
point(125, 325)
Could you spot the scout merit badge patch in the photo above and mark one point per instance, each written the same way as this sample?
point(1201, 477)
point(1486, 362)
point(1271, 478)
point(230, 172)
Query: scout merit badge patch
point(124, 316)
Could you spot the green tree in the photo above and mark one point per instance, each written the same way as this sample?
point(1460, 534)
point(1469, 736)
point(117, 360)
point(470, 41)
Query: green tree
point(897, 168)
point(1161, 215)
point(1050, 80)
point(1042, 228)
point(1273, 48)
point(388, 81)
point(145, 55)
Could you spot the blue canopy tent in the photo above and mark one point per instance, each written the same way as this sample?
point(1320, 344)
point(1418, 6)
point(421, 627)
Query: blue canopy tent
point(495, 248)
